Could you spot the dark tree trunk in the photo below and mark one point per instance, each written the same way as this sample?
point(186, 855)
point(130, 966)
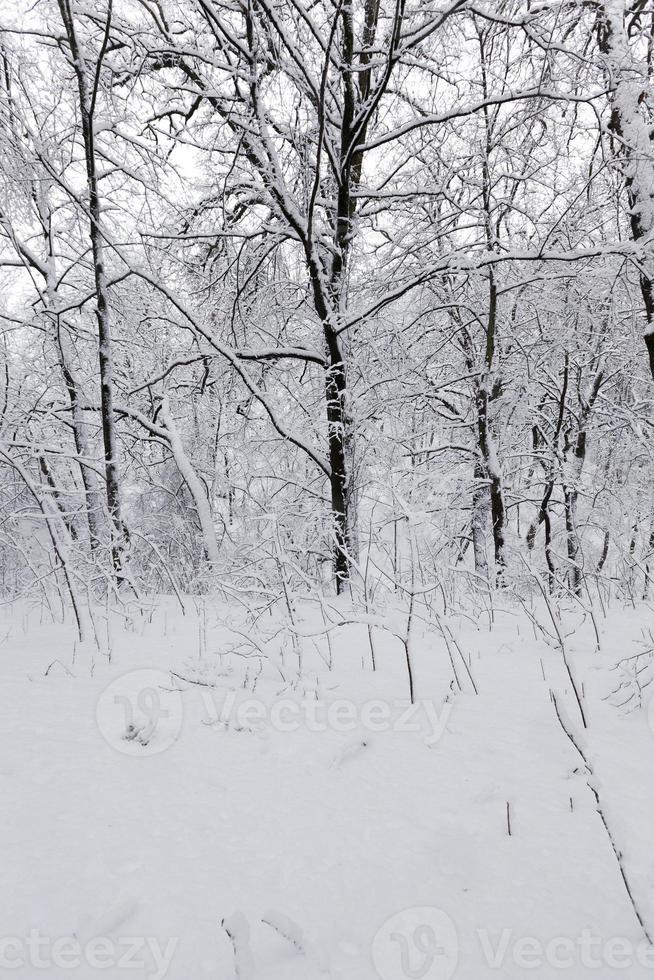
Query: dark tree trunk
point(491, 467)
point(338, 426)
point(572, 539)
point(87, 97)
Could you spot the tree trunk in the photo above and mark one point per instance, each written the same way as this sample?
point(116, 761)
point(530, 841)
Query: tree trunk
point(479, 519)
point(338, 426)
point(194, 484)
point(90, 480)
point(492, 468)
point(87, 98)
point(572, 539)
point(629, 78)
point(571, 496)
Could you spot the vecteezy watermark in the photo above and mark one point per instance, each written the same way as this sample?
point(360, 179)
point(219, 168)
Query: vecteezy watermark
point(422, 944)
point(140, 713)
point(416, 944)
point(322, 715)
point(39, 952)
point(586, 950)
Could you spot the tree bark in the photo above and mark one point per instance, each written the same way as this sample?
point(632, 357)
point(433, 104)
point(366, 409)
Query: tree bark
point(479, 519)
point(487, 444)
point(87, 99)
point(194, 484)
point(630, 85)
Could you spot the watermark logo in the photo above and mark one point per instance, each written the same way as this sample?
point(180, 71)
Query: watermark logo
point(422, 944)
point(144, 953)
point(321, 715)
point(416, 944)
point(140, 713)
point(587, 950)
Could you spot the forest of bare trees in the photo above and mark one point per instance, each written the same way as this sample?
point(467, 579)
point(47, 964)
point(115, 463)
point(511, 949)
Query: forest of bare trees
point(303, 297)
point(326, 472)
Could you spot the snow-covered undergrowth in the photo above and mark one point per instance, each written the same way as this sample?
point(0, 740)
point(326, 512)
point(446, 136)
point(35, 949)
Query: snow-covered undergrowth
point(189, 808)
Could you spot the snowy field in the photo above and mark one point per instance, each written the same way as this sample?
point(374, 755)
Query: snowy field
point(250, 826)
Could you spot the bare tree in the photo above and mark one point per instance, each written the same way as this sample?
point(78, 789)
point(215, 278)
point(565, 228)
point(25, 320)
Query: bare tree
point(87, 65)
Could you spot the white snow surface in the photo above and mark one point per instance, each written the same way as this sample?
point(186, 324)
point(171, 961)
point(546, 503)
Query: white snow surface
point(302, 845)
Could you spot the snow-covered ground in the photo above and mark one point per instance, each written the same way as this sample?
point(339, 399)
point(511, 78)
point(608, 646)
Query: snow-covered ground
point(285, 839)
